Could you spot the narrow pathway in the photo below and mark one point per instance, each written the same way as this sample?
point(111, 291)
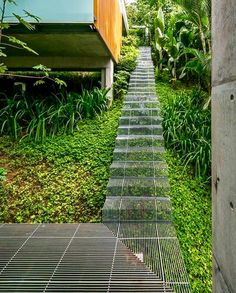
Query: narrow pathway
point(138, 208)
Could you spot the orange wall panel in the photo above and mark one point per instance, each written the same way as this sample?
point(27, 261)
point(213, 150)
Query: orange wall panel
point(109, 24)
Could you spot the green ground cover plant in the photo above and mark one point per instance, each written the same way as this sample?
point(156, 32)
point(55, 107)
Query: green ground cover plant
point(64, 178)
point(191, 203)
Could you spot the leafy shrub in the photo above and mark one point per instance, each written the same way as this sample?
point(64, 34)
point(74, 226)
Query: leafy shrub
point(129, 54)
point(126, 65)
point(187, 129)
point(121, 83)
point(39, 118)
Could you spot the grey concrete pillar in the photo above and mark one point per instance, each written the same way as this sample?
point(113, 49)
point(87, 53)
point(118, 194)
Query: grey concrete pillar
point(224, 145)
point(107, 78)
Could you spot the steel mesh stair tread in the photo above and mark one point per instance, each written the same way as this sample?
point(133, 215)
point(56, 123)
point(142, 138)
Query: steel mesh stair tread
point(131, 181)
point(140, 96)
point(142, 109)
point(142, 84)
point(143, 81)
point(140, 126)
point(139, 104)
point(160, 149)
point(139, 141)
point(136, 168)
point(140, 120)
point(133, 136)
point(136, 210)
point(138, 186)
point(141, 89)
point(140, 130)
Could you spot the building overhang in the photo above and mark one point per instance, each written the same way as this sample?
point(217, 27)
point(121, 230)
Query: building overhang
point(70, 29)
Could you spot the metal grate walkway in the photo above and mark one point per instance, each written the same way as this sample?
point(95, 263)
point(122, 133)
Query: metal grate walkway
point(138, 208)
point(70, 258)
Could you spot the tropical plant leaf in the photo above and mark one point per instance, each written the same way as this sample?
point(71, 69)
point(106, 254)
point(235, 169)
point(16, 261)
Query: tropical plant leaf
point(22, 44)
point(41, 67)
point(39, 82)
point(24, 22)
point(3, 68)
point(28, 14)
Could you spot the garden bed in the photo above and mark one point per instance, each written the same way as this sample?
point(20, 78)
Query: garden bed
point(62, 180)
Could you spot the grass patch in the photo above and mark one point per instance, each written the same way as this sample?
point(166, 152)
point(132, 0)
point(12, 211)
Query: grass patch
point(62, 180)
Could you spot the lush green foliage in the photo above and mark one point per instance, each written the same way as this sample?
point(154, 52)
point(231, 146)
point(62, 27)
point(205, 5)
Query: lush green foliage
point(63, 179)
point(179, 32)
point(187, 126)
point(191, 204)
point(38, 118)
point(126, 65)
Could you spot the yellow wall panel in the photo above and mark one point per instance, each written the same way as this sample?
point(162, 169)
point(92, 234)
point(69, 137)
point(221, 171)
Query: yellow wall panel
point(109, 24)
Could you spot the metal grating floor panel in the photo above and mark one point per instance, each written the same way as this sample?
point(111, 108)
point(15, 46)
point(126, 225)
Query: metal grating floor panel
point(70, 258)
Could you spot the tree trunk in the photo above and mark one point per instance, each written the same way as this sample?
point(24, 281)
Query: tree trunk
point(202, 36)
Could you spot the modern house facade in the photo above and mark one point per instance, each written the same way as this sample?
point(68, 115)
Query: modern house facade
point(71, 35)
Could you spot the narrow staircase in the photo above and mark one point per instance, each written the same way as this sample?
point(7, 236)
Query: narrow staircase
point(136, 248)
point(138, 207)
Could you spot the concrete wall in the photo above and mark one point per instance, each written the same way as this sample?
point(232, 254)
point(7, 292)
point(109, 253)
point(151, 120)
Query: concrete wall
point(224, 145)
